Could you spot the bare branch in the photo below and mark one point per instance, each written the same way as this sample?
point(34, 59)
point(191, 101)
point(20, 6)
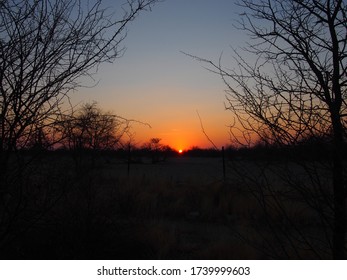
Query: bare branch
point(204, 132)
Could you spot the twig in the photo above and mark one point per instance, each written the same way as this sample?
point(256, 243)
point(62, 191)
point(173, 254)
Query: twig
point(204, 132)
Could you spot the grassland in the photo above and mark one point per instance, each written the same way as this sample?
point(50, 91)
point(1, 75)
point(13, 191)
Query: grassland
point(178, 209)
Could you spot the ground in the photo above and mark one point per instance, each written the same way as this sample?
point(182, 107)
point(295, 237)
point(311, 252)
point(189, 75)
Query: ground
point(182, 208)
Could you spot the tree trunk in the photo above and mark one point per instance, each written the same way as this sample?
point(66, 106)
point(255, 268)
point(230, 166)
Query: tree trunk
point(339, 231)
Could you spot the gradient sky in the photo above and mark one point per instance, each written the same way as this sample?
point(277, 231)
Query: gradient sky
point(155, 83)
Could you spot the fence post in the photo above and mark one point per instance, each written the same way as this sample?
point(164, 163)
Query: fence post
point(129, 159)
point(223, 156)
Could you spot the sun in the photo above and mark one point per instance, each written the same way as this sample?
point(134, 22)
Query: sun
point(180, 151)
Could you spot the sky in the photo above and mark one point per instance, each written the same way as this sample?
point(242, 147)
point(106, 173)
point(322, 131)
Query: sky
point(155, 83)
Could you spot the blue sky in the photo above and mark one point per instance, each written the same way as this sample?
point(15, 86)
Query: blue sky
point(155, 83)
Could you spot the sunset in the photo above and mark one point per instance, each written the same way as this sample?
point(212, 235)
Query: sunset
point(174, 130)
point(154, 82)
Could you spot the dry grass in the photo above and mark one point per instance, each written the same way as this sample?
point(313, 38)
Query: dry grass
point(176, 210)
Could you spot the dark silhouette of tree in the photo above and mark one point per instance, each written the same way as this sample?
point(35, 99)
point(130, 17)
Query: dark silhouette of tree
point(157, 151)
point(91, 128)
point(49, 48)
point(155, 147)
point(46, 48)
point(297, 87)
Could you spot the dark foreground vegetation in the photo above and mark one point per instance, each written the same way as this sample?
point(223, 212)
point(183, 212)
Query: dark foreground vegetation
point(116, 205)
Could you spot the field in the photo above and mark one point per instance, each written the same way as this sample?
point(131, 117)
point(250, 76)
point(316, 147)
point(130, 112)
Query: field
point(178, 209)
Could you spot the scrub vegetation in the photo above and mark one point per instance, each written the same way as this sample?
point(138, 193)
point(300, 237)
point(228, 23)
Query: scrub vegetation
point(180, 208)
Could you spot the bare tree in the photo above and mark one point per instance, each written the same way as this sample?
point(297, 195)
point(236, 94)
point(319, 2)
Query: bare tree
point(91, 129)
point(46, 48)
point(157, 150)
point(297, 87)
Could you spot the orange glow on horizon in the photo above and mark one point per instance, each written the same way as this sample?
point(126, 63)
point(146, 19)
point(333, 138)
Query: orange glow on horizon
point(184, 138)
point(181, 130)
point(177, 125)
